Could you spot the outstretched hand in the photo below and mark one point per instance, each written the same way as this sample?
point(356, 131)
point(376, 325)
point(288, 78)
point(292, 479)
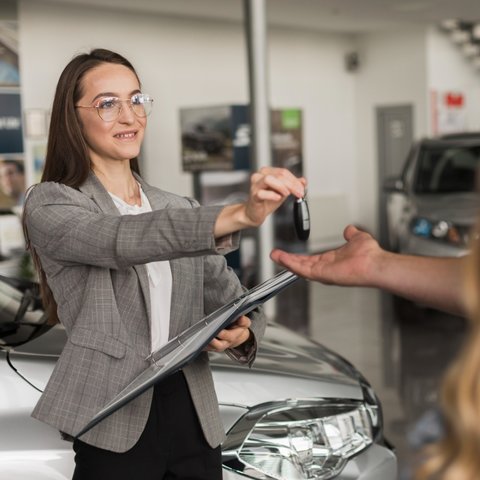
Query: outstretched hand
point(350, 264)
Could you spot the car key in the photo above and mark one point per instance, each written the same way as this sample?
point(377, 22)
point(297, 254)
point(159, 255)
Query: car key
point(301, 218)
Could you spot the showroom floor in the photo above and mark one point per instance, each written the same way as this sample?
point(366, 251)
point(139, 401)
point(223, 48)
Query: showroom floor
point(402, 349)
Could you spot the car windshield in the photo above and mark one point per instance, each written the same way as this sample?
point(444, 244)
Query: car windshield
point(448, 169)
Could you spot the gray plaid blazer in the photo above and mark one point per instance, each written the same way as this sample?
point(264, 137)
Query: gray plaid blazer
point(94, 262)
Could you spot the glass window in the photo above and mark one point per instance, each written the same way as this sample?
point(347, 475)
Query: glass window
point(447, 169)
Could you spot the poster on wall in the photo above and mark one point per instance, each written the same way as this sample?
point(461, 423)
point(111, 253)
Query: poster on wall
point(12, 160)
point(206, 138)
point(12, 168)
point(448, 112)
point(11, 135)
point(9, 71)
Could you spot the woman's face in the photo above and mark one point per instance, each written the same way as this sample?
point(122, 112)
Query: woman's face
point(121, 138)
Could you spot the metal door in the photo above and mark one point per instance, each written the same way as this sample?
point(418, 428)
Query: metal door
point(394, 139)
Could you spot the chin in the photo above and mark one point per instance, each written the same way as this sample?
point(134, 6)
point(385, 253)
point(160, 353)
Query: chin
point(129, 153)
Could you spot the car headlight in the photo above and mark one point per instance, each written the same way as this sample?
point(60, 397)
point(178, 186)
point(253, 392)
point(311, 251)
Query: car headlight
point(299, 440)
point(441, 230)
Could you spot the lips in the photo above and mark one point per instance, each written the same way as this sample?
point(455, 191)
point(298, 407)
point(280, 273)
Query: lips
point(126, 135)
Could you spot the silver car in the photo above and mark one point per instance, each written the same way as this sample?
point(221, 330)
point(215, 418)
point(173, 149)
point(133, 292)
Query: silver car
point(302, 411)
point(433, 205)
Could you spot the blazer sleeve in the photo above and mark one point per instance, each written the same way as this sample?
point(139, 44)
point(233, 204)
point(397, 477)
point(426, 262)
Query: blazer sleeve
point(69, 227)
point(221, 285)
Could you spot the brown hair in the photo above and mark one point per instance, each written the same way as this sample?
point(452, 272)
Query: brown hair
point(456, 456)
point(67, 160)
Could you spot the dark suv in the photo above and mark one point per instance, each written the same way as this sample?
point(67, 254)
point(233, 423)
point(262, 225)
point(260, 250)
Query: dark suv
point(432, 206)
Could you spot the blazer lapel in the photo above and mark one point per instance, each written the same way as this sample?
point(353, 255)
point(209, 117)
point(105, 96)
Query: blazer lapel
point(159, 200)
point(97, 192)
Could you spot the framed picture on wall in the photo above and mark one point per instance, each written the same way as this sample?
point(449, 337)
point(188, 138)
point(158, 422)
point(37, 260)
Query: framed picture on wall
point(9, 71)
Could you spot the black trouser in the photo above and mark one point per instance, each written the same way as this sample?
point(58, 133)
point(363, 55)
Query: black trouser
point(172, 446)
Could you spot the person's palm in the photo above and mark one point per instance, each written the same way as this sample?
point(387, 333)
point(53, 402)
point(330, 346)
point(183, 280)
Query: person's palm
point(347, 265)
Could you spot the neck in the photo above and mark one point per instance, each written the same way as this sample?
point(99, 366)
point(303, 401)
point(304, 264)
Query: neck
point(119, 180)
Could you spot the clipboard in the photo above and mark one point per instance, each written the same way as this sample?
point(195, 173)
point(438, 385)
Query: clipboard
point(180, 350)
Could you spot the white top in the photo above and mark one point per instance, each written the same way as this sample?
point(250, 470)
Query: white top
point(159, 279)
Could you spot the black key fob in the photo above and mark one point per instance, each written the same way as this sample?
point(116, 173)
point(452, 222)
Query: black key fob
point(301, 217)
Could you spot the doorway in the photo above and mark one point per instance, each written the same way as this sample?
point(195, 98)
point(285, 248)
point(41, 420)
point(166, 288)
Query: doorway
point(394, 140)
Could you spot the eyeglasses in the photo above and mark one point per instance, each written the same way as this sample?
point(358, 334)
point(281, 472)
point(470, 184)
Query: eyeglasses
point(109, 108)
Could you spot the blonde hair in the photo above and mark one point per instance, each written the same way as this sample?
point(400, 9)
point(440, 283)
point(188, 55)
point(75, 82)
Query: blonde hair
point(457, 455)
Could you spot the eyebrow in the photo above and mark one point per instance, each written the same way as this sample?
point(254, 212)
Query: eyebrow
point(112, 94)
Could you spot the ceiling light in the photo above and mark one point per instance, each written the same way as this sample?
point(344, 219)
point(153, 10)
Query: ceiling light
point(476, 31)
point(450, 24)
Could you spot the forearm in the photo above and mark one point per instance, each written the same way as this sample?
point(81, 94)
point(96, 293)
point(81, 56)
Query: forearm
point(432, 281)
point(269, 188)
point(231, 219)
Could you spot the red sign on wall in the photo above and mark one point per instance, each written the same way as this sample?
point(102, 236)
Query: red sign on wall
point(454, 100)
point(448, 111)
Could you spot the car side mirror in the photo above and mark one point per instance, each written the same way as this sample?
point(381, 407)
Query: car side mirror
point(394, 184)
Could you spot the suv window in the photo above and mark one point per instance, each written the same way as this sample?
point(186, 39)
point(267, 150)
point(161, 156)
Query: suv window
point(447, 169)
point(409, 169)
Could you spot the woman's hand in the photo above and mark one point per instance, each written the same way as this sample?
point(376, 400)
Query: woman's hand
point(231, 337)
point(269, 188)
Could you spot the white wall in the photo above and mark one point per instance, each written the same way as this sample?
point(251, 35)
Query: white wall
point(307, 71)
point(449, 70)
point(392, 72)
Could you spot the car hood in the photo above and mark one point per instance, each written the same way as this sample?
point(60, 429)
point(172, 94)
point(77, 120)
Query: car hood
point(288, 365)
point(286, 352)
point(460, 208)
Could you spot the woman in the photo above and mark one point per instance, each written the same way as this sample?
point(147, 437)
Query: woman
point(125, 266)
